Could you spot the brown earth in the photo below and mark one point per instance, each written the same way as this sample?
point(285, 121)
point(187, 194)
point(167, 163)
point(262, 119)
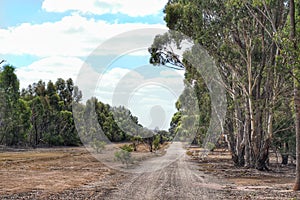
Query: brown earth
point(72, 173)
point(43, 172)
point(243, 183)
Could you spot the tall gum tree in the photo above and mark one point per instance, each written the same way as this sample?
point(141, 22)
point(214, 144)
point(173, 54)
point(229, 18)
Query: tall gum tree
point(240, 36)
point(296, 75)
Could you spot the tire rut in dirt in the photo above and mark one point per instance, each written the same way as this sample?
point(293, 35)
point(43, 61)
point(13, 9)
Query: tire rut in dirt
point(176, 181)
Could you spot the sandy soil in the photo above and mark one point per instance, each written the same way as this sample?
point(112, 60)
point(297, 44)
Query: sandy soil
point(72, 173)
point(42, 173)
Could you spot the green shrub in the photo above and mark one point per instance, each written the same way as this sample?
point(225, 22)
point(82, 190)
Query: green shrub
point(127, 148)
point(53, 140)
point(124, 157)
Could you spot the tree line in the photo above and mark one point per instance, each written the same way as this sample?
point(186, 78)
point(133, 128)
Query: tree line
point(41, 115)
point(255, 45)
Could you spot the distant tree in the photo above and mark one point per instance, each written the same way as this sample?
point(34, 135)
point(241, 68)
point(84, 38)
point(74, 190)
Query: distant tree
point(148, 138)
point(37, 120)
point(9, 87)
point(23, 112)
point(67, 129)
point(40, 88)
point(77, 94)
point(52, 119)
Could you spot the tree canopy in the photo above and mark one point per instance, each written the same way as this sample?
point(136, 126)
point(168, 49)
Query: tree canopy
point(251, 44)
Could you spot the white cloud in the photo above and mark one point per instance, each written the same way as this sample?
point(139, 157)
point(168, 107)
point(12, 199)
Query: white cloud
point(107, 83)
point(172, 73)
point(50, 68)
point(74, 35)
point(131, 8)
point(112, 77)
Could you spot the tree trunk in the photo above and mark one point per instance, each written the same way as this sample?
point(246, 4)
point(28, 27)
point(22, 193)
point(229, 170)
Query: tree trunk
point(238, 130)
point(229, 138)
point(150, 143)
point(261, 163)
point(297, 121)
point(296, 97)
point(285, 158)
point(284, 154)
point(237, 149)
point(247, 139)
point(134, 143)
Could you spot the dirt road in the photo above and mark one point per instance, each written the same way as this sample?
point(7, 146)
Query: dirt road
point(167, 178)
point(73, 173)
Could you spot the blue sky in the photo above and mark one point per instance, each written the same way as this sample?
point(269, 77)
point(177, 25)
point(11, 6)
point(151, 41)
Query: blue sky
point(16, 12)
point(50, 39)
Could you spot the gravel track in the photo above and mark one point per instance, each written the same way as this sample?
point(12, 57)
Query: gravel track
point(178, 180)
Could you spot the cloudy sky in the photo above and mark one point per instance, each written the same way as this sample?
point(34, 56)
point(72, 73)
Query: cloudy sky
point(100, 44)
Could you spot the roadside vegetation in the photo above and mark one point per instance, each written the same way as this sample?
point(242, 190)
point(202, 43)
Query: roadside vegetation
point(255, 45)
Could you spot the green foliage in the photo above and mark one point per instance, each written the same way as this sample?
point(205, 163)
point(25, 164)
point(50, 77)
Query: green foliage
point(50, 139)
point(67, 128)
point(251, 44)
point(284, 138)
point(52, 114)
point(24, 115)
point(42, 115)
point(127, 148)
point(156, 142)
point(9, 83)
point(124, 155)
point(10, 121)
point(187, 120)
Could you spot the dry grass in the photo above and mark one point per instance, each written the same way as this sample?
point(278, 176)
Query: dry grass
point(55, 170)
point(52, 170)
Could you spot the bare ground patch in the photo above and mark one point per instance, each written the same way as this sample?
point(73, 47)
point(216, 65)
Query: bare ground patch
point(243, 183)
point(43, 172)
point(59, 173)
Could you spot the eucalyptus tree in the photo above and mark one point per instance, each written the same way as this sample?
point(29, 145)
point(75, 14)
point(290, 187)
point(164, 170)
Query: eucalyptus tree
point(9, 87)
point(37, 120)
point(241, 37)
